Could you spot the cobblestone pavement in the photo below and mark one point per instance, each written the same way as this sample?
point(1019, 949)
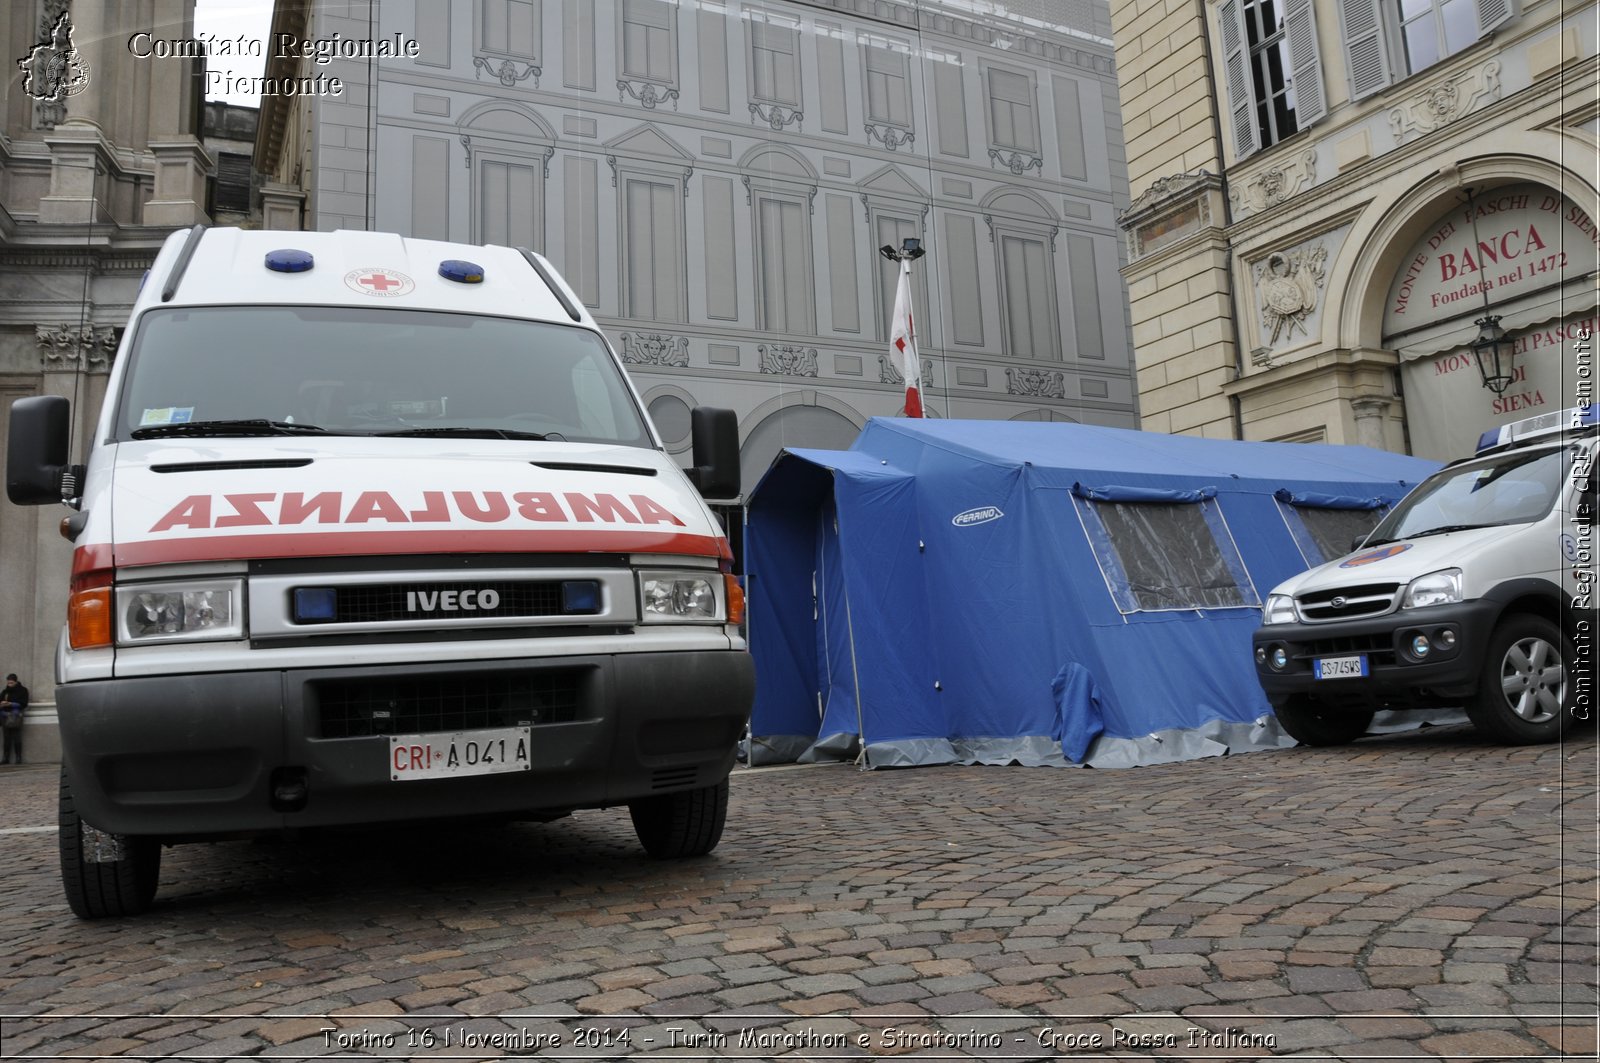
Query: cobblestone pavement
point(1422, 895)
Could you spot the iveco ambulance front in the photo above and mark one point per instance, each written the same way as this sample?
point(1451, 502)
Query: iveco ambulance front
point(374, 530)
point(1469, 593)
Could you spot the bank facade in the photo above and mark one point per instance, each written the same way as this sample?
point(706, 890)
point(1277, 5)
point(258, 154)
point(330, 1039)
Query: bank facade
point(1364, 199)
point(716, 179)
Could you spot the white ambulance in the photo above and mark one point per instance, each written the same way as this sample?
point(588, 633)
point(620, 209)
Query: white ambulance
point(1476, 590)
point(376, 529)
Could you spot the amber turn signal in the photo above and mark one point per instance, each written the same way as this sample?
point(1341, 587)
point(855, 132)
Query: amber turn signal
point(89, 618)
point(735, 598)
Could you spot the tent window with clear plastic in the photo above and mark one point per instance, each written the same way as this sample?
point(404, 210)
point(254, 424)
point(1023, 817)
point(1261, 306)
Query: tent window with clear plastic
point(1324, 526)
point(1167, 555)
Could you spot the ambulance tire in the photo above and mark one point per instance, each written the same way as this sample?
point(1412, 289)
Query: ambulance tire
point(108, 888)
point(1524, 688)
point(687, 823)
point(1311, 723)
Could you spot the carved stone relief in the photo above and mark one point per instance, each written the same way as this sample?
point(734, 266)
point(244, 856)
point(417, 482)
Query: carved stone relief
point(776, 115)
point(71, 347)
point(1036, 383)
point(891, 137)
point(650, 348)
point(1269, 187)
point(889, 373)
point(648, 93)
point(783, 360)
point(505, 70)
point(1444, 101)
point(1017, 162)
point(1287, 283)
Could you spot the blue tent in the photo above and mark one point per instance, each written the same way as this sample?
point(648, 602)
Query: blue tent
point(1035, 593)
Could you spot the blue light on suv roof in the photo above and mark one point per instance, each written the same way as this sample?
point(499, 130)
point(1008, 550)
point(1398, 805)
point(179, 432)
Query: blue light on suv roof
point(289, 260)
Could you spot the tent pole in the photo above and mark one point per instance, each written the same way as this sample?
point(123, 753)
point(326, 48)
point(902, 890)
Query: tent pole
point(855, 676)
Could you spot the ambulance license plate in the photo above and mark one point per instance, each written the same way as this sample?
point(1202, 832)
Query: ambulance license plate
point(1341, 667)
point(446, 755)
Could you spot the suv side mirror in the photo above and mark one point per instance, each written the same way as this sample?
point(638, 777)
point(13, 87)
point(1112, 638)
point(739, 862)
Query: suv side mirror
point(36, 450)
point(716, 452)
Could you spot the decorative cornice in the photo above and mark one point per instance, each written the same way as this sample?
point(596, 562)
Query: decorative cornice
point(785, 360)
point(1167, 192)
point(650, 348)
point(543, 156)
point(927, 18)
point(1437, 105)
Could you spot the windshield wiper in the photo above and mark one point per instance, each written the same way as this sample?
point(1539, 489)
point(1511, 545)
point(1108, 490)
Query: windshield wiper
point(464, 433)
point(1450, 528)
point(251, 427)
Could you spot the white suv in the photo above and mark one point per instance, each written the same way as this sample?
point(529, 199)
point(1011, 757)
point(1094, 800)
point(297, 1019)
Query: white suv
point(1476, 590)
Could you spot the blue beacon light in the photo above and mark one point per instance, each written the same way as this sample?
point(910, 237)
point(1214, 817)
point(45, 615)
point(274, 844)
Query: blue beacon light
point(461, 271)
point(289, 260)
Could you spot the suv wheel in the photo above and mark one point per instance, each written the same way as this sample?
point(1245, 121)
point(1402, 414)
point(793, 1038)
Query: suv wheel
point(687, 823)
point(1312, 723)
point(1522, 691)
point(104, 875)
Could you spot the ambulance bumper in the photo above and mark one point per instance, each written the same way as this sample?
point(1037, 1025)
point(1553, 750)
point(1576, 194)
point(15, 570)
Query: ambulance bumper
point(215, 755)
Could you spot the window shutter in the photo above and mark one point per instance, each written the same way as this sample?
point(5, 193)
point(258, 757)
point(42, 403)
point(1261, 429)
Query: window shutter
point(1364, 44)
point(1305, 58)
point(1236, 63)
point(1492, 14)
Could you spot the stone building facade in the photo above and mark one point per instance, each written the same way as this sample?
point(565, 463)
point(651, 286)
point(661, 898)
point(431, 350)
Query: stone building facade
point(100, 159)
point(1351, 189)
point(715, 178)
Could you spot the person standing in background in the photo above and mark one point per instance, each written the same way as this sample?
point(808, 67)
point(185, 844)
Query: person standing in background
point(13, 699)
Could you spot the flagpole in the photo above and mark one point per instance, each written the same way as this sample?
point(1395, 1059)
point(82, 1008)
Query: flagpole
point(902, 326)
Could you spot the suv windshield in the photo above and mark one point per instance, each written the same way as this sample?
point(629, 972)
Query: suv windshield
point(1518, 487)
point(256, 370)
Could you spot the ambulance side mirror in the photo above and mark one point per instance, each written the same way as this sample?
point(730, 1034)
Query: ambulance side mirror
point(715, 472)
point(36, 451)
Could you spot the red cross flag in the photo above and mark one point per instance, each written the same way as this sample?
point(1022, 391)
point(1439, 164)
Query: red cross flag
point(903, 342)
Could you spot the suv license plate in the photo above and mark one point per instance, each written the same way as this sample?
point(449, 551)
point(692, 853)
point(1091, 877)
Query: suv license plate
point(1341, 667)
point(443, 756)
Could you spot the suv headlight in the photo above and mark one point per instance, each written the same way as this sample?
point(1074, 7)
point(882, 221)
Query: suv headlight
point(172, 612)
point(680, 597)
point(1279, 609)
point(1436, 588)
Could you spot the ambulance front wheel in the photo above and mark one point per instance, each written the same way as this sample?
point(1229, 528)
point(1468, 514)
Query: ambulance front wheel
point(687, 823)
point(104, 875)
point(1312, 723)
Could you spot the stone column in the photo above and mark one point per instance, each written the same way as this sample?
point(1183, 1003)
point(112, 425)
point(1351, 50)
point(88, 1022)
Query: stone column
point(80, 148)
point(1371, 415)
point(179, 197)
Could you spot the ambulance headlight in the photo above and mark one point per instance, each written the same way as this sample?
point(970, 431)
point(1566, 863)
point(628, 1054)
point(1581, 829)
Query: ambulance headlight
point(1436, 588)
point(172, 612)
point(680, 597)
point(1278, 610)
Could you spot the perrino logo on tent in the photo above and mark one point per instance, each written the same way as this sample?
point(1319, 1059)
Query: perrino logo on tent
point(981, 515)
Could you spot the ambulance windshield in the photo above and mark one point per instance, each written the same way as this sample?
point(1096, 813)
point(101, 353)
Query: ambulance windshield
point(361, 371)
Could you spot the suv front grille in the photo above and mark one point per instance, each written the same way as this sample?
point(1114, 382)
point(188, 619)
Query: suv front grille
point(1348, 603)
point(1379, 647)
point(431, 704)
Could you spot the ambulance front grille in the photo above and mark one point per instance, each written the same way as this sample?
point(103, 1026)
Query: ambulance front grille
point(376, 603)
point(431, 704)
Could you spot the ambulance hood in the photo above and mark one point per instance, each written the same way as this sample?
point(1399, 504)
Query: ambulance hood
point(230, 499)
point(1398, 562)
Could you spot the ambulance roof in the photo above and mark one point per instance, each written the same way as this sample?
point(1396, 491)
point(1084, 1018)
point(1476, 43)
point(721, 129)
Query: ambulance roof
point(347, 267)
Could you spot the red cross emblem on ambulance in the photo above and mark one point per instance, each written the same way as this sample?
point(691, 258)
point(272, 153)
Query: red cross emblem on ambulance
point(375, 280)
